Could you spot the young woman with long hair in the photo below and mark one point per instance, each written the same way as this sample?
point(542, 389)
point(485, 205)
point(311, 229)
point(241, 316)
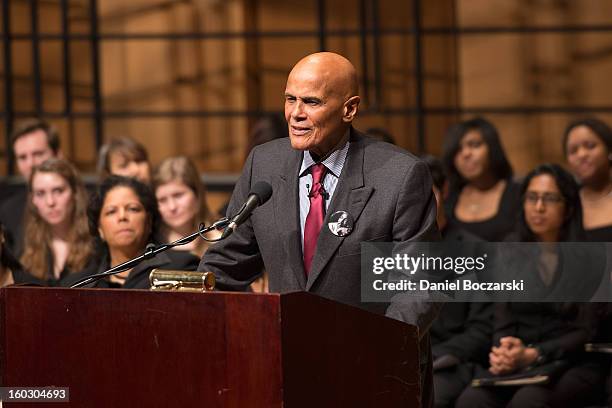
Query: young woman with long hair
point(57, 240)
point(483, 200)
point(181, 200)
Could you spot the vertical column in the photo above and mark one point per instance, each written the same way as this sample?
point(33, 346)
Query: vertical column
point(363, 37)
point(377, 102)
point(321, 18)
point(95, 66)
point(418, 76)
point(36, 73)
point(66, 58)
point(8, 83)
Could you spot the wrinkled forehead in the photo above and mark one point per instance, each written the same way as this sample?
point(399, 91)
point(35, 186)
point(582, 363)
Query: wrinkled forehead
point(309, 82)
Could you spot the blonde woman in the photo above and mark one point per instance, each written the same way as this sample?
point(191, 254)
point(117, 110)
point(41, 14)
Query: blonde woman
point(57, 240)
point(181, 200)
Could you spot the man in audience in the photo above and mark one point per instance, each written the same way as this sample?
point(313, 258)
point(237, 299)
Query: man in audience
point(33, 141)
point(326, 170)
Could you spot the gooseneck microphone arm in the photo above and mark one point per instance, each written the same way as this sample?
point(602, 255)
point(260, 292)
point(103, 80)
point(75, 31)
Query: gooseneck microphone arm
point(153, 250)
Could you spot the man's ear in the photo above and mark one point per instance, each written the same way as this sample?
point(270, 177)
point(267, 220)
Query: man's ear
point(351, 106)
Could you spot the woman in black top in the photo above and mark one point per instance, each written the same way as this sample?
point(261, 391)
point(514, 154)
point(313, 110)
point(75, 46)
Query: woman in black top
point(588, 148)
point(530, 334)
point(57, 241)
point(123, 216)
point(11, 271)
point(483, 199)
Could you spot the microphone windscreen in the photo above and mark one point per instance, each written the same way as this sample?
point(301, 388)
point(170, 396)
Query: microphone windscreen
point(262, 190)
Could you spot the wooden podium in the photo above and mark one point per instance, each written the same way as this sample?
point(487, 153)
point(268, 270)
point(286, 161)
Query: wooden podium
point(130, 348)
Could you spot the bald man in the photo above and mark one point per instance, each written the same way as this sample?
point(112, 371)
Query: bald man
point(333, 189)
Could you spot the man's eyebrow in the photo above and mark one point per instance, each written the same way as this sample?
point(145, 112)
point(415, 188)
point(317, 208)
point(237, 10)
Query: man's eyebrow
point(308, 99)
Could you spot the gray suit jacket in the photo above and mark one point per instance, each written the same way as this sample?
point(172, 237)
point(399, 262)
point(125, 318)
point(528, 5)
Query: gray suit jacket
point(385, 189)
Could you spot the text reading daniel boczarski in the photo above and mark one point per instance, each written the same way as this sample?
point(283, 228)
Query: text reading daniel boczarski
point(406, 264)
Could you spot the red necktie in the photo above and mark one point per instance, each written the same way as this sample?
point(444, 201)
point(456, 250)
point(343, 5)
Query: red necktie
point(314, 220)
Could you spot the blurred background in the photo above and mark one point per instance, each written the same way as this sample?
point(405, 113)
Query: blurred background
point(192, 77)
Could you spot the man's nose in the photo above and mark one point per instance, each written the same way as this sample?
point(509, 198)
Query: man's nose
point(298, 111)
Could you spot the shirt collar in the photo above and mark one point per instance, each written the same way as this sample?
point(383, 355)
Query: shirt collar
point(334, 162)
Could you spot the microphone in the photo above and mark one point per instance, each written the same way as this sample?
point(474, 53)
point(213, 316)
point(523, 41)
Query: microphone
point(259, 194)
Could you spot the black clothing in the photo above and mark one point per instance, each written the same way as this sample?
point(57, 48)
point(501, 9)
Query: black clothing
point(601, 234)
point(604, 310)
point(453, 233)
point(138, 277)
point(559, 329)
point(575, 388)
point(462, 331)
point(12, 213)
point(449, 383)
point(497, 227)
point(21, 277)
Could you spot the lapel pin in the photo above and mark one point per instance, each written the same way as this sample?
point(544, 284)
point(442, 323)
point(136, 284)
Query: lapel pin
point(340, 223)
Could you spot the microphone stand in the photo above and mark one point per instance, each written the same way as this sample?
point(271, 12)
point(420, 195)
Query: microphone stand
point(149, 253)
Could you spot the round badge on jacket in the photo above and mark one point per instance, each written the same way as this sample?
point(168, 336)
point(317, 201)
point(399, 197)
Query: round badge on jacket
point(340, 223)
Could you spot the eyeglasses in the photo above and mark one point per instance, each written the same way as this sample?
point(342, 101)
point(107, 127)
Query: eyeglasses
point(547, 198)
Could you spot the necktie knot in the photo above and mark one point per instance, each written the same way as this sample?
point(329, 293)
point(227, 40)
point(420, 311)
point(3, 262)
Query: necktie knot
point(318, 171)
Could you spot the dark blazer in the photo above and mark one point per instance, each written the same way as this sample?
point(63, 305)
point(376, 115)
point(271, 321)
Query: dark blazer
point(138, 277)
point(462, 329)
point(12, 212)
point(386, 190)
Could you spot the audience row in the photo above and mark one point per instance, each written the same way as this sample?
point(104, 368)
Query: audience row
point(67, 237)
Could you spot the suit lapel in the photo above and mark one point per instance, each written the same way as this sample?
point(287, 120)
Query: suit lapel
point(351, 196)
point(287, 212)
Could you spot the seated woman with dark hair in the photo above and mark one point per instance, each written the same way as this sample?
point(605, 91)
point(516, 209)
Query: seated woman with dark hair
point(530, 334)
point(123, 216)
point(588, 148)
point(11, 271)
point(483, 200)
